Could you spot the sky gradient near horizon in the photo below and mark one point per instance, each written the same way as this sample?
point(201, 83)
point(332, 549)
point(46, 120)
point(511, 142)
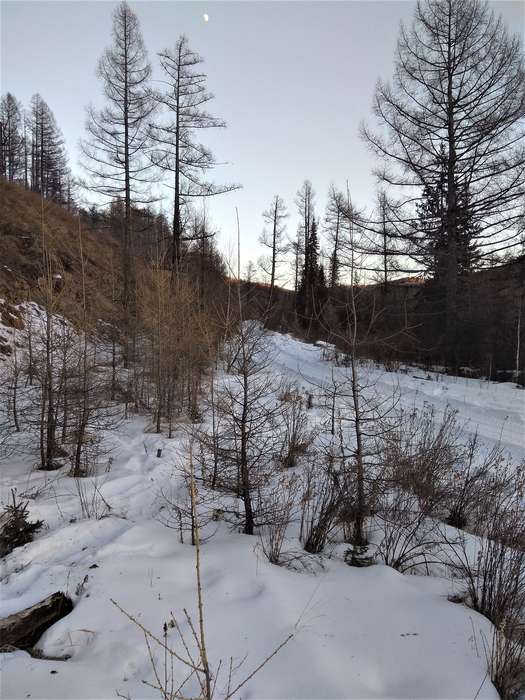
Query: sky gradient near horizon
point(293, 80)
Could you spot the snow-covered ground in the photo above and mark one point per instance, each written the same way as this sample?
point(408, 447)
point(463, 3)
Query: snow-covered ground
point(358, 633)
point(495, 410)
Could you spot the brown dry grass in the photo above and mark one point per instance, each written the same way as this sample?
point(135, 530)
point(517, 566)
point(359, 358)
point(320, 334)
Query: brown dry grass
point(21, 253)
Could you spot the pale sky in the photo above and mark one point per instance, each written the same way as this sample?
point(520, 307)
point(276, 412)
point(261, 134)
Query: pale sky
point(292, 79)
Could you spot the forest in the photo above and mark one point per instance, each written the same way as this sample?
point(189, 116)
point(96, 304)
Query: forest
point(298, 476)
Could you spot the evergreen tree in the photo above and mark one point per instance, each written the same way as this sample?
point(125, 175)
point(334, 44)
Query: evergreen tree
point(305, 208)
point(313, 277)
point(431, 240)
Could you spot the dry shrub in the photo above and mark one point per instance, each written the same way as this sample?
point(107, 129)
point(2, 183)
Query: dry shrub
point(93, 505)
point(323, 490)
point(506, 660)
point(420, 457)
point(281, 498)
point(177, 512)
point(492, 567)
point(408, 539)
point(472, 483)
point(297, 436)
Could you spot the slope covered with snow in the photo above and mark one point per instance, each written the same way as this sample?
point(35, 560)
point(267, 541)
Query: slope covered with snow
point(362, 633)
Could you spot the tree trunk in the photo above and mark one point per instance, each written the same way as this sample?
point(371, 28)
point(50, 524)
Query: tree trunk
point(23, 629)
point(177, 233)
point(245, 475)
point(452, 254)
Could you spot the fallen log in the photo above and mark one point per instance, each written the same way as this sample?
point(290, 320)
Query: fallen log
point(23, 629)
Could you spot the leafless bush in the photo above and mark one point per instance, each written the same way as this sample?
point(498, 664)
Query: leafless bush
point(492, 567)
point(11, 389)
point(92, 502)
point(177, 513)
point(297, 436)
point(282, 499)
point(471, 483)
point(506, 659)
point(408, 539)
point(420, 457)
point(323, 490)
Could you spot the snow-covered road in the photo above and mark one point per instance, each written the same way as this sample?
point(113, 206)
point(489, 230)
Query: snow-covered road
point(495, 410)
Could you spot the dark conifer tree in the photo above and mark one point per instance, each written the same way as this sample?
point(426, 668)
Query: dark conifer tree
point(312, 279)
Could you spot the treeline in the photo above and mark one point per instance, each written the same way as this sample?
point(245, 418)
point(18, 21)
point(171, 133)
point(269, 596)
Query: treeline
point(449, 139)
point(32, 149)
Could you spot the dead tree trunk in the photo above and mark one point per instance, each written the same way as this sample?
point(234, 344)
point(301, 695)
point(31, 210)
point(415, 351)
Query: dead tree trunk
point(23, 629)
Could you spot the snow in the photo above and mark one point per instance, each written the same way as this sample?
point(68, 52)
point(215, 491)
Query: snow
point(364, 633)
point(496, 411)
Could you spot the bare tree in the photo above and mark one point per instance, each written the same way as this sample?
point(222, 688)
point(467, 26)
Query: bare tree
point(176, 150)
point(332, 226)
point(246, 438)
point(272, 239)
point(305, 208)
point(49, 171)
point(117, 135)
point(454, 110)
point(91, 411)
point(297, 248)
point(359, 414)
point(11, 137)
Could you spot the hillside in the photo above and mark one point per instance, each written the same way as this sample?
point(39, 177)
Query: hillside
point(25, 221)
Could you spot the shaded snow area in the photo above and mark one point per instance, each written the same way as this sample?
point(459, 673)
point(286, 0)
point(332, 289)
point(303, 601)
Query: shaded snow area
point(358, 632)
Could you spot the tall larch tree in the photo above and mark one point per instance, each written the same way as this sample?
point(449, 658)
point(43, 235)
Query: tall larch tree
point(11, 138)
point(333, 225)
point(456, 105)
point(272, 238)
point(49, 171)
point(115, 149)
point(176, 149)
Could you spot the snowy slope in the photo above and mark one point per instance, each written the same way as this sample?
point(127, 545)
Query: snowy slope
point(495, 410)
point(360, 633)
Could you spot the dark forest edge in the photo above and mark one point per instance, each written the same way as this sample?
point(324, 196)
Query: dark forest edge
point(435, 268)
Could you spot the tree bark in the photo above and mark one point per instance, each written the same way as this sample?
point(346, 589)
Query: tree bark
point(23, 629)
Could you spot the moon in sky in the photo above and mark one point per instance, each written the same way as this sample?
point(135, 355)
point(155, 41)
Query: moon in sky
point(205, 17)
